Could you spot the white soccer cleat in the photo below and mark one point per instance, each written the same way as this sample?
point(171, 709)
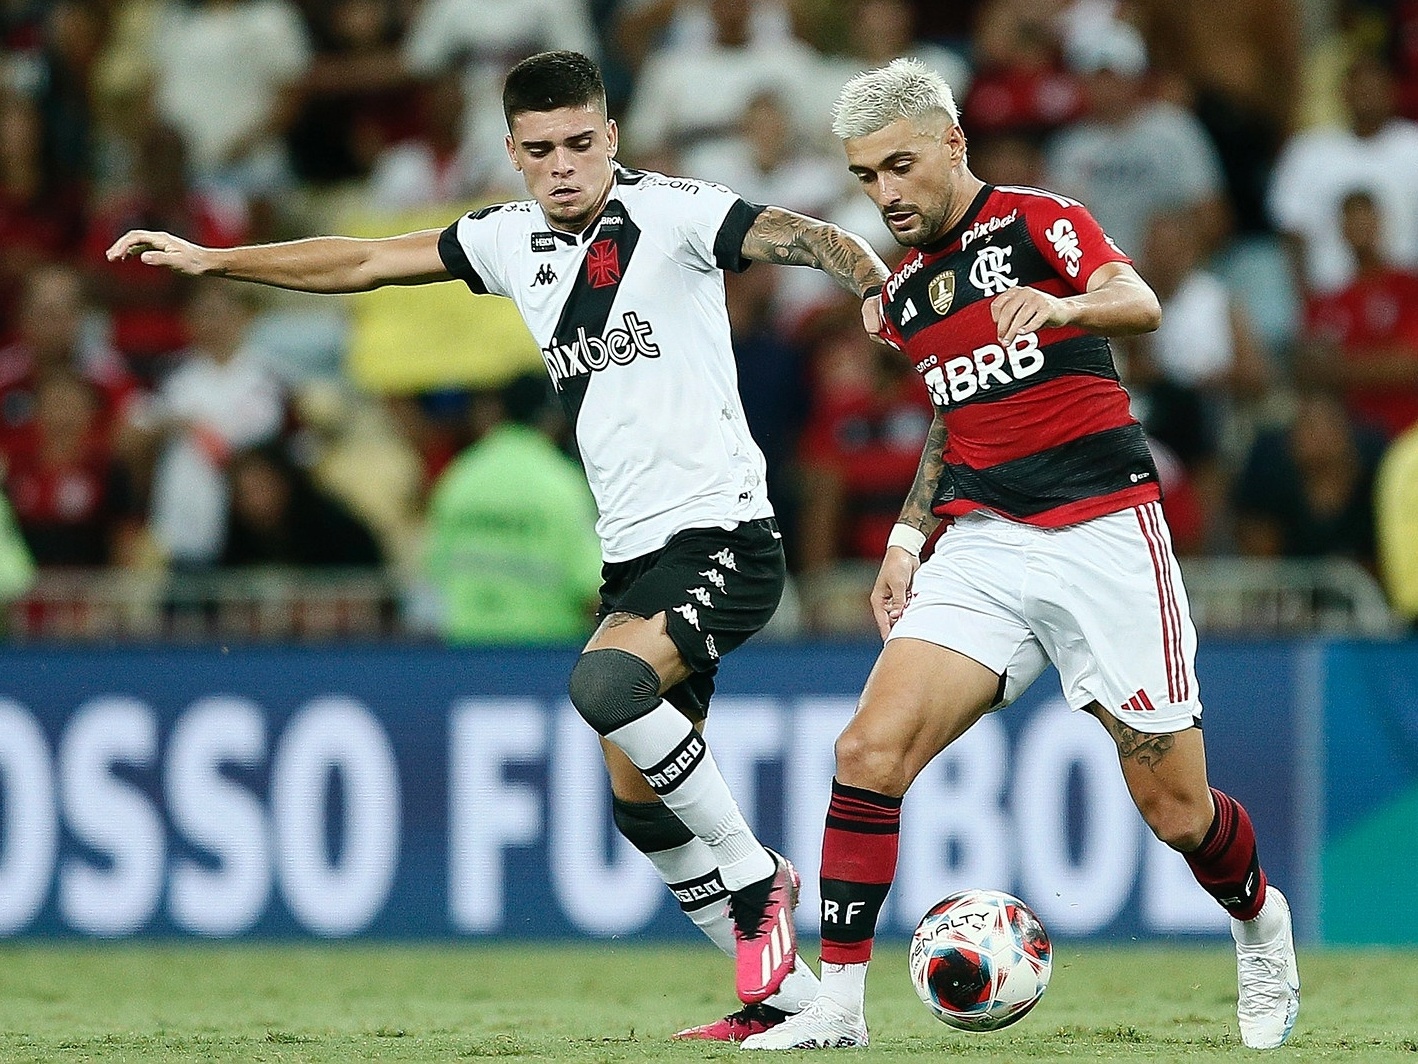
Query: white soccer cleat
point(824, 1024)
point(1269, 982)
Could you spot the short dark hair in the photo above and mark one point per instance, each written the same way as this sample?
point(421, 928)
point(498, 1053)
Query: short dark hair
point(551, 80)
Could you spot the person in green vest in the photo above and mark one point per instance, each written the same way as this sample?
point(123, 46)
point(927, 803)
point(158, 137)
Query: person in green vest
point(512, 533)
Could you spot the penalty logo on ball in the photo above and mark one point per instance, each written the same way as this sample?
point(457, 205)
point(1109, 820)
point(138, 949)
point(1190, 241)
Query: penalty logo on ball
point(980, 960)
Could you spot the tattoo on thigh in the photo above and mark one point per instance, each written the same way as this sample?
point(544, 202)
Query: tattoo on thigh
point(1142, 747)
point(615, 620)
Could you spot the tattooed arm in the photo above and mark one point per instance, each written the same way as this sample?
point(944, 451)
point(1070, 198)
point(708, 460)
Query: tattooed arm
point(916, 511)
point(793, 239)
point(898, 568)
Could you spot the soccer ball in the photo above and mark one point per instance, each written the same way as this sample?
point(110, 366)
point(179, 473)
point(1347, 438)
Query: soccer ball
point(980, 960)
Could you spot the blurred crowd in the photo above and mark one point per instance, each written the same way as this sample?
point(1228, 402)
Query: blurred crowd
point(1258, 159)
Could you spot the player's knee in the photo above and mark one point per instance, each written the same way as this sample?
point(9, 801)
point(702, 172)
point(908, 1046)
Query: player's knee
point(1180, 823)
point(869, 760)
point(612, 687)
point(649, 826)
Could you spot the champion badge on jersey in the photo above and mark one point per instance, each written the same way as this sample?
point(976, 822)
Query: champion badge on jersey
point(942, 292)
point(603, 264)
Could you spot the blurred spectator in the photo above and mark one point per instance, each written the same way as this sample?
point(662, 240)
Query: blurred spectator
point(1134, 156)
point(279, 517)
point(1008, 159)
point(1375, 152)
point(1237, 64)
point(860, 449)
point(1020, 86)
point(482, 40)
point(772, 382)
point(1187, 378)
point(431, 169)
point(769, 161)
point(1363, 338)
point(356, 95)
point(145, 305)
point(54, 337)
point(227, 73)
point(879, 31)
point(645, 26)
point(671, 110)
point(512, 539)
point(1307, 490)
point(40, 219)
point(223, 398)
point(73, 35)
point(72, 498)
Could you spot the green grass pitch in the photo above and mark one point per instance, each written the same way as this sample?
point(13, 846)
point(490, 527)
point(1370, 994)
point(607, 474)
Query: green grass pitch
point(618, 1001)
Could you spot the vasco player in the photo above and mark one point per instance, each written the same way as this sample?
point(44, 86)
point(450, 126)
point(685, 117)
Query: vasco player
point(619, 276)
point(1057, 552)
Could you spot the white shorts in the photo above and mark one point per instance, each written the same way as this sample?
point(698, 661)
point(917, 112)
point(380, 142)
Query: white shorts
point(1102, 599)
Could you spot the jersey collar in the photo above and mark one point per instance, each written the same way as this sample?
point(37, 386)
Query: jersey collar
point(966, 220)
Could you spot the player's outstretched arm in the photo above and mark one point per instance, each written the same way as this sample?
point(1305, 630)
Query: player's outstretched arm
point(320, 264)
point(898, 566)
point(793, 239)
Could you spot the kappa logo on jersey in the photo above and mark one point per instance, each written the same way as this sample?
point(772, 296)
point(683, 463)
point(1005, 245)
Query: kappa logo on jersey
point(603, 264)
point(1065, 240)
point(985, 228)
point(942, 292)
point(896, 280)
point(992, 272)
point(958, 378)
point(545, 275)
point(542, 242)
point(591, 354)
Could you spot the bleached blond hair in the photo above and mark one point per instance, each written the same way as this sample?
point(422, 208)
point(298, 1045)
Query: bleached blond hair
point(904, 88)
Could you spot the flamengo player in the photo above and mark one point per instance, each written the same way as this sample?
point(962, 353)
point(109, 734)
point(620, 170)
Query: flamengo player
point(619, 276)
point(1058, 551)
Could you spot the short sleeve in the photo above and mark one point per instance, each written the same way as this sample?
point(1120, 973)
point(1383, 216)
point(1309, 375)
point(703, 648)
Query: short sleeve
point(1071, 240)
point(709, 221)
point(469, 252)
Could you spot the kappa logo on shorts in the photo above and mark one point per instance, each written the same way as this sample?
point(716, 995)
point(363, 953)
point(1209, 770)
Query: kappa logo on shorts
point(716, 578)
point(689, 613)
point(1138, 702)
point(725, 558)
point(702, 594)
point(710, 648)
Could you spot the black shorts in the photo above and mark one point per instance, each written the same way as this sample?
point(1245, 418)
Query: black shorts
point(715, 587)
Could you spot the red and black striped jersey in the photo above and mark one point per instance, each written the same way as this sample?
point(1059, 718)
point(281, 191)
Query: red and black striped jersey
point(1042, 431)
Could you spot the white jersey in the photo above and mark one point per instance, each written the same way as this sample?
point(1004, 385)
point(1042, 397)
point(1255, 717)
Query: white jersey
point(634, 331)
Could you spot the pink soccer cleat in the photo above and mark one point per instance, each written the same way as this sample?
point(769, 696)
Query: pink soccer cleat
point(763, 928)
point(736, 1026)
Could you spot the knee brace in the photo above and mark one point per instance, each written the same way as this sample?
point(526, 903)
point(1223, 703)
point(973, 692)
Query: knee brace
point(650, 826)
point(611, 687)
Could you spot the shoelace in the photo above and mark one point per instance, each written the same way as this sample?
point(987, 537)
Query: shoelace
point(1271, 988)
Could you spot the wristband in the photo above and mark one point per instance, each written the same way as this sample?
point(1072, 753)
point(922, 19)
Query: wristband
point(907, 538)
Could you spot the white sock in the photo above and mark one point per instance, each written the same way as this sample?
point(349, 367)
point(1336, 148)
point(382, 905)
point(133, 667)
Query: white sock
point(800, 987)
point(679, 767)
point(1265, 926)
point(691, 868)
point(693, 863)
point(845, 985)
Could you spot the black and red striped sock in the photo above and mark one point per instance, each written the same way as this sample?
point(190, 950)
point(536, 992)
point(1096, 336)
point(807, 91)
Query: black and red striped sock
point(1226, 863)
point(858, 864)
